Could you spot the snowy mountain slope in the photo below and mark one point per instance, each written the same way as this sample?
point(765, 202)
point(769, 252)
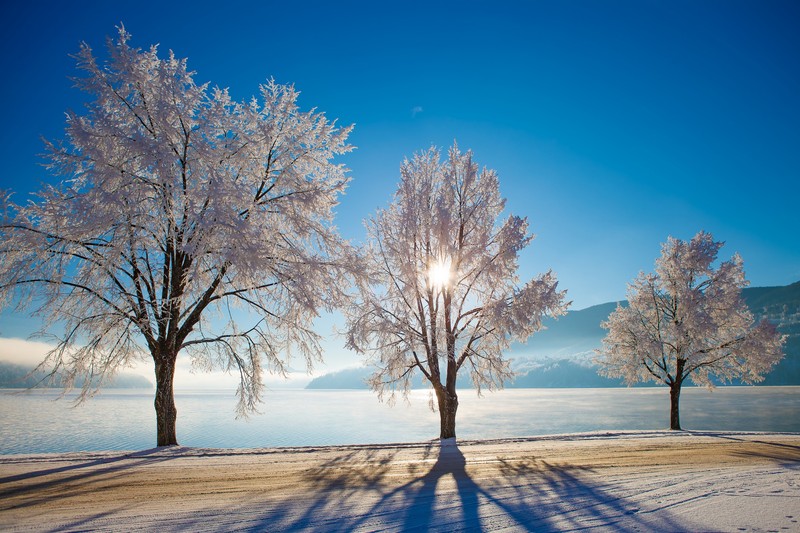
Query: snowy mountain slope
point(561, 355)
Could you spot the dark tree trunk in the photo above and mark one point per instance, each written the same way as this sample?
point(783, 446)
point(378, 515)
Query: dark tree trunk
point(166, 413)
point(448, 406)
point(675, 394)
point(674, 406)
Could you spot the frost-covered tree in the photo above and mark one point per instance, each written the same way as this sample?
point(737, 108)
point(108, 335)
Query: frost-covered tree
point(441, 292)
point(688, 320)
point(186, 223)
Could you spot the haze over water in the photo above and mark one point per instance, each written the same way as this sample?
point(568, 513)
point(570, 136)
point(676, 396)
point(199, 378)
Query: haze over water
point(33, 422)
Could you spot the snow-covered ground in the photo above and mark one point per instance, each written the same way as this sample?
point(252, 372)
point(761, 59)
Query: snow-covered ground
point(622, 481)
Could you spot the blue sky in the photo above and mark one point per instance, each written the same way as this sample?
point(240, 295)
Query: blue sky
point(612, 124)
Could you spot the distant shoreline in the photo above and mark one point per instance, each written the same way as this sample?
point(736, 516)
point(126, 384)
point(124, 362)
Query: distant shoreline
point(20, 377)
point(232, 390)
point(584, 436)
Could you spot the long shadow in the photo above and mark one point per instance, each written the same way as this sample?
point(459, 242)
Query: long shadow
point(421, 493)
point(84, 471)
point(88, 464)
point(729, 436)
point(522, 494)
point(335, 482)
point(787, 455)
point(87, 523)
point(545, 497)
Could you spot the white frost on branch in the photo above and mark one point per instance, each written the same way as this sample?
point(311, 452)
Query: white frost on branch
point(410, 316)
point(178, 206)
point(688, 320)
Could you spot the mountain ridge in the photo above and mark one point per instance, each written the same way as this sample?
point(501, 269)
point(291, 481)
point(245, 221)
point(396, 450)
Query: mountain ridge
point(15, 376)
point(561, 355)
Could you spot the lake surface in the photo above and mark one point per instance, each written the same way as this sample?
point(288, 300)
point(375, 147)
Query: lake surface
point(35, 422)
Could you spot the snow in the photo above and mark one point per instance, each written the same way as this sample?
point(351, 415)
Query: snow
point(620, 481)
point(445, 443)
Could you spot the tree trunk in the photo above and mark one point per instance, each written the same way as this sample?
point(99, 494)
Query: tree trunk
point(674, 410)
point(166, 413)
point(448, 406)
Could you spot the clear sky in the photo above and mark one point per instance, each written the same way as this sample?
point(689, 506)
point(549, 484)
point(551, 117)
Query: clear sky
point(612, 124)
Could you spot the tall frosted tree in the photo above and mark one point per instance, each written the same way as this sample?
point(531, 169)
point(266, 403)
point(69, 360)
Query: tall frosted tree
point(688, 321)
point(185, 223)
point(440, 293)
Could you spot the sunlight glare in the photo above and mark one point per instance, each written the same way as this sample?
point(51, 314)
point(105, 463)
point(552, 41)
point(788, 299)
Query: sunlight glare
point(439, 274)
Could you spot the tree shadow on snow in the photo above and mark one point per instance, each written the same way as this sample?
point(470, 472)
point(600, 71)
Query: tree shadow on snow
point(521, 494)
point(786, 455)
point(71, 479)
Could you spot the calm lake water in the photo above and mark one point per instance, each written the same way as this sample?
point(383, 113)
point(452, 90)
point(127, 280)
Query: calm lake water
point(35, 422)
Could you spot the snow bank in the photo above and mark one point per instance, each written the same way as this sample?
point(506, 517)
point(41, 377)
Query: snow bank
point(613, 481)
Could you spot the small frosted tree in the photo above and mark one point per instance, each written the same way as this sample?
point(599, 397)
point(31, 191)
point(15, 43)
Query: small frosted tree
point(440, 291)
point(688, 320)
point(187, 223)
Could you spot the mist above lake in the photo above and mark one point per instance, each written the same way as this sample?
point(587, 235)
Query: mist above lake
point(34, 422)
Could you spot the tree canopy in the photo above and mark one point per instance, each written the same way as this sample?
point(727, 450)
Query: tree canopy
point(185, 222)
point(440, 291)
point(688, 321)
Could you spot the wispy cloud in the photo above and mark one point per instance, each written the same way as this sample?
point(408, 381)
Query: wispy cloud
point(416, 110)
point(22, 351)
point(30, 353)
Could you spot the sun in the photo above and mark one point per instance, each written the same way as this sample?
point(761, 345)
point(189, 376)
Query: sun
point(439, 274)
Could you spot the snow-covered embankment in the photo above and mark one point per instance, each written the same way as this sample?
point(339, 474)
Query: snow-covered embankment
point(667, 481)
